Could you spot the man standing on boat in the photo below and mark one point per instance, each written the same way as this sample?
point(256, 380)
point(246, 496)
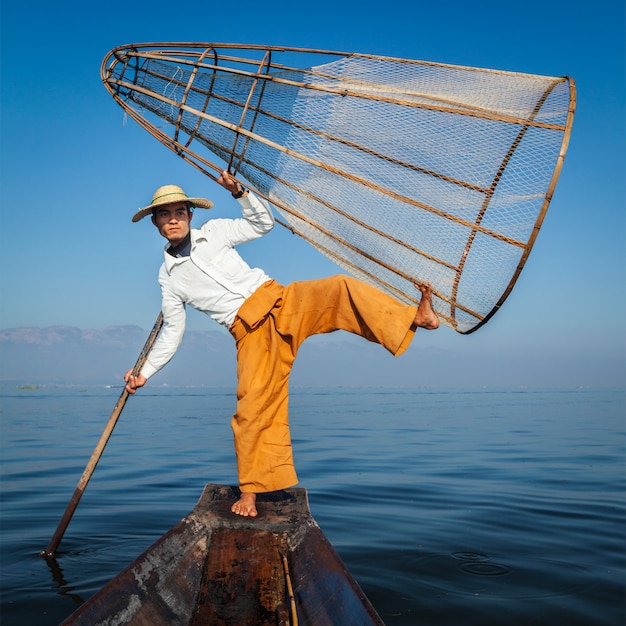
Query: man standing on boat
point(269, 322)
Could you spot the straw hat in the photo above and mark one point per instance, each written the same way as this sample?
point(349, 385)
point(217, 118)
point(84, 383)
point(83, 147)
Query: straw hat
point(169, 194)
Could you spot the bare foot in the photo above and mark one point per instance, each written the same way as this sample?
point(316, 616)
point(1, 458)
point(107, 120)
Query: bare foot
point(426, 316)
point(246, 505)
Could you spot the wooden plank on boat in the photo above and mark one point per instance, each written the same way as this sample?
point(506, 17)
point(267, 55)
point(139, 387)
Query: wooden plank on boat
point(218, 568)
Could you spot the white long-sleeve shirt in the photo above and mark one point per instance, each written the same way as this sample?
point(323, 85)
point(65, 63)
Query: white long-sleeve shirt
point(214, 279)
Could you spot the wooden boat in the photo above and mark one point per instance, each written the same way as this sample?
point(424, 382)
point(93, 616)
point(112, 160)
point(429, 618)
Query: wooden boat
point(217, 568)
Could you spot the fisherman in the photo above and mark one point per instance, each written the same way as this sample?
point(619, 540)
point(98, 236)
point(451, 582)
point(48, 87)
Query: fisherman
point(269, 322)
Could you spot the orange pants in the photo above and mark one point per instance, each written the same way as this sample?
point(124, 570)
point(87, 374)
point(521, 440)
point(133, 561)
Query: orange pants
point(269, 328)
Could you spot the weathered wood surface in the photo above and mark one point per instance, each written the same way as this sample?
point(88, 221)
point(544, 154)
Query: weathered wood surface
point(217, 568)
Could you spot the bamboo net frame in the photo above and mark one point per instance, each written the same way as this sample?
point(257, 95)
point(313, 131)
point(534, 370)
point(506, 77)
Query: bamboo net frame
point(400, 171)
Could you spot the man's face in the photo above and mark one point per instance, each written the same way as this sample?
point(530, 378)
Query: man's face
point(173, 220)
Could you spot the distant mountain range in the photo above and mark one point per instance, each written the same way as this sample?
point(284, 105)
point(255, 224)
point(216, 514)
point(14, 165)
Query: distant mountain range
point(69, 355)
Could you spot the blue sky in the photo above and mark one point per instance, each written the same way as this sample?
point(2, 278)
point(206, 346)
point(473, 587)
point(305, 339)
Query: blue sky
point(73, 171)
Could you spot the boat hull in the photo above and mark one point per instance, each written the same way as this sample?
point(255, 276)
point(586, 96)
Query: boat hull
point(218, 568)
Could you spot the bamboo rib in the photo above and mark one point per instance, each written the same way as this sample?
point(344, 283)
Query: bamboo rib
point(192, 135)
point(267, 62)
point(192, 76)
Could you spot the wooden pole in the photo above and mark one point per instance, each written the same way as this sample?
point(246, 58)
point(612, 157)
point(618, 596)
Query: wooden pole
point(99, 449)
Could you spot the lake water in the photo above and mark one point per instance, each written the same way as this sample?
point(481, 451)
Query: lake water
point(448, 507)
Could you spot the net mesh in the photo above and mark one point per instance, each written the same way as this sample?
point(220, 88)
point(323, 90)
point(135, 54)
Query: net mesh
point(399, 171)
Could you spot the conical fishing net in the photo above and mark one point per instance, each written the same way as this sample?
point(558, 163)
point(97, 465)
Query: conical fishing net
point(399, 171)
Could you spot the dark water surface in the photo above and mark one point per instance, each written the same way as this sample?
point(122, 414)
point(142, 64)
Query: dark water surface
point(484, 507)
